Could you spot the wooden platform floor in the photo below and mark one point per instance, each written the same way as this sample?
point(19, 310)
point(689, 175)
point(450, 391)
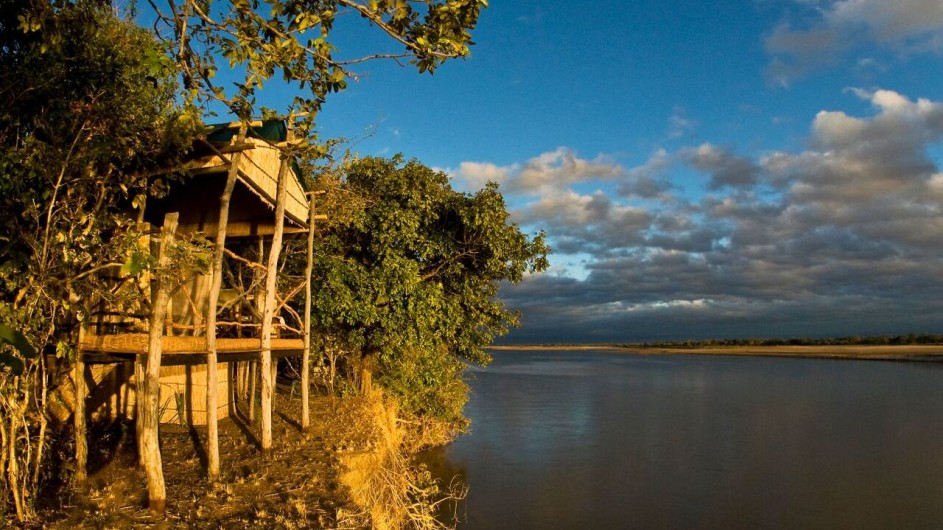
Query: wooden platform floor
point(136, 343)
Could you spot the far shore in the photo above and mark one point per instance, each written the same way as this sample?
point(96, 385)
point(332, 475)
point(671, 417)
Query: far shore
point(887, 352)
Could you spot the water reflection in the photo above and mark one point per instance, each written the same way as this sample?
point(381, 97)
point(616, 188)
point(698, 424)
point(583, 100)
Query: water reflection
point(604, 440)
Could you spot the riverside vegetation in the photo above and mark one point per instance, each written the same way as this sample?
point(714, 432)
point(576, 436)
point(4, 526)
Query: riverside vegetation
point(406, 273)
point(852, 340)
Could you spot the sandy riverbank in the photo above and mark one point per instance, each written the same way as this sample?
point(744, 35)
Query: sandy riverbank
point(907, 352)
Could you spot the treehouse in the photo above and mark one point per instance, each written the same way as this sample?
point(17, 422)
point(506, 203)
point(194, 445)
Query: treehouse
point(211, 312)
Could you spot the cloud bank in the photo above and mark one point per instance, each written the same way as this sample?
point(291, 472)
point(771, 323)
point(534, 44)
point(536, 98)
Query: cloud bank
point(841, 237)
point(828, 29)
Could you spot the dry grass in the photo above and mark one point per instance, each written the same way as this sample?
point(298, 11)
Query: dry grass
point(394, 491)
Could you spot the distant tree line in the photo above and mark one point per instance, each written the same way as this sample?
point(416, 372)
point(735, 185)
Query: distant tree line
point(851, 340)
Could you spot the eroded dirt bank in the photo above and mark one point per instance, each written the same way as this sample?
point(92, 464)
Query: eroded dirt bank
point(299, 484)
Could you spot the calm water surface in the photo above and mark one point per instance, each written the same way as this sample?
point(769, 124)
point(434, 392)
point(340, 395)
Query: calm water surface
point(596, 440)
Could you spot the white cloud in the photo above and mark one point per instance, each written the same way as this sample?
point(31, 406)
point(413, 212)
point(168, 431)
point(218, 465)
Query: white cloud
point(562, 167)
point(474, 175)
point(549, 172)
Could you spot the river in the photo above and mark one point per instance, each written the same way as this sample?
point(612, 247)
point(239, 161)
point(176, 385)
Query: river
point(603, 439)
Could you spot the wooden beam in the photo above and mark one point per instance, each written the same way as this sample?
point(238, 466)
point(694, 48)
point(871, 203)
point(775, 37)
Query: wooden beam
point(205, 170)
point(239, 229)
point(216, 279)
point(233, 148)
point(149, 388)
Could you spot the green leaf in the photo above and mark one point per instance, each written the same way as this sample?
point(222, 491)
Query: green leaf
point(137, 263)
point(14, 338)
point(16, 365)
point(10, 336)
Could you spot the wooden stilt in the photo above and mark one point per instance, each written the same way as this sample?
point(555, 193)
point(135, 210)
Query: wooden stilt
point(81, 392)
point(240, 379)
point(150, 247)
point(140, 361)
point(253, 377)
point(245, 380)
point(149, 386)
point(216, 279)
point(306, 354)
point(268, 307)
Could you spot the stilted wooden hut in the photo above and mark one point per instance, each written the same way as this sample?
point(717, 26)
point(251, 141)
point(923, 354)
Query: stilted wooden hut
point(185, 352)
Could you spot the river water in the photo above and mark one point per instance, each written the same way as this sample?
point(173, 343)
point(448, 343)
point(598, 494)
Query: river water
point(600, 439)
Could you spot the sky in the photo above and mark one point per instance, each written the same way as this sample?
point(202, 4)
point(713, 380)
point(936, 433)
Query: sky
point(726, 169)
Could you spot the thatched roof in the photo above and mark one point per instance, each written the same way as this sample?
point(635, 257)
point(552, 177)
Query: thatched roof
point(258, 171)
point(253, 201)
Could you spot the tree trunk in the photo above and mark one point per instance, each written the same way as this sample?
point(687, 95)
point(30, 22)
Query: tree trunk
point(149, 387)
point(268, 307)
point(43, 424)
point(13, 474)
point(216, 279)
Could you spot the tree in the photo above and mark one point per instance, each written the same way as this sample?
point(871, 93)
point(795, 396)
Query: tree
point(410, 281)
point(256, 40)
point(86, 111)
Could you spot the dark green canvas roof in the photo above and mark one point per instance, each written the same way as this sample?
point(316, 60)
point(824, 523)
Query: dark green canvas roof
point(271, 130)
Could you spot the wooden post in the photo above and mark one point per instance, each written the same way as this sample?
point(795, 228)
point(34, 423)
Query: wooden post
point(253, 369)
point(146, 244)
point(148, 393)
point(81, 392)
point(240, 379)
point(306, 354)
point(268, 307)
point(245, 380)
point(216, 279)
point(139, 361)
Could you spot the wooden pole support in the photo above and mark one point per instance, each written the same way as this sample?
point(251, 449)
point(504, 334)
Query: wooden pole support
point(81, 392)
point(216, 279)
point(149, 387)
point(268, 307)
point(306, 354)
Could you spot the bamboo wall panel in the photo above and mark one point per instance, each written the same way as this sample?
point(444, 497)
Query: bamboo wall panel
point(111, 393)
point(183, 390)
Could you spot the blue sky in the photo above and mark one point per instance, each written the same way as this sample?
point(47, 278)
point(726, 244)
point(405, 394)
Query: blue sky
point(702, 169)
